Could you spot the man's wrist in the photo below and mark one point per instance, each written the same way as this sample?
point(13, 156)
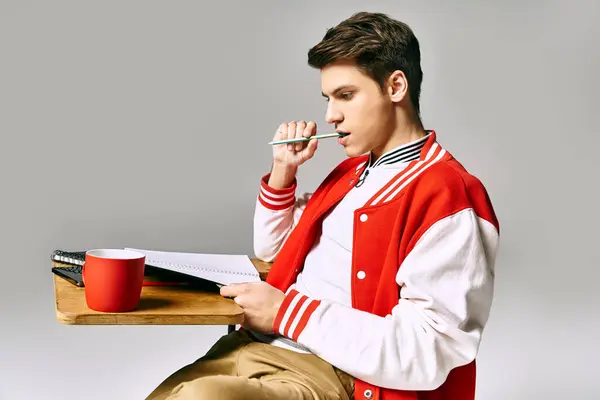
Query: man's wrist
point(276, 307)
point(282, 176)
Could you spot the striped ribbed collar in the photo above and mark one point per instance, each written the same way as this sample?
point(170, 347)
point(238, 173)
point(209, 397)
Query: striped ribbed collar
point(401, 154)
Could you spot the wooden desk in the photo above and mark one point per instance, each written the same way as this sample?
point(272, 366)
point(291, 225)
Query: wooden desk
point(159, 305)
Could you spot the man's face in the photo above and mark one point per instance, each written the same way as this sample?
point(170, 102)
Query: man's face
point(358, 106)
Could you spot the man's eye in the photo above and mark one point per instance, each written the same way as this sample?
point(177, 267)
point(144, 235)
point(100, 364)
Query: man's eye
point(347, 96)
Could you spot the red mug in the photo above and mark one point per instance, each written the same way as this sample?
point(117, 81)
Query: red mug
point(113, 279)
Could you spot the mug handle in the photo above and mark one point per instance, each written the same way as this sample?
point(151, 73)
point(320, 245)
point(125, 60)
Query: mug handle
point(83, 273)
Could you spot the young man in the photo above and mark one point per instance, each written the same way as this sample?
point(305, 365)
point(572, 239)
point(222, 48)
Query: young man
point(382, 278)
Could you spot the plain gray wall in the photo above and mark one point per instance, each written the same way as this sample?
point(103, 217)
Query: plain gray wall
point(145, 124)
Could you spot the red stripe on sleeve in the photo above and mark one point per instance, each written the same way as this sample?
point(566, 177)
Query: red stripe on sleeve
point(276, 199)
point(286, 329)
point(305, 317)
point(283, 308)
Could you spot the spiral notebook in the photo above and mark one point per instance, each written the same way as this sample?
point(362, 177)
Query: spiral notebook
point(222, 269)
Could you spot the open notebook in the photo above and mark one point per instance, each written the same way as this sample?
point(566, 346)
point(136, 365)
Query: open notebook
point(222, 269)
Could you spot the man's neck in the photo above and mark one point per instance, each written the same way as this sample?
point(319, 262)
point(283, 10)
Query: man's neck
point(402, 134)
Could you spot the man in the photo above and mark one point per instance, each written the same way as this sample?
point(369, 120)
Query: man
point(382, 278)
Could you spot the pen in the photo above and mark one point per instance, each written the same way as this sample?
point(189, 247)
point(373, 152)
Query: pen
point(296, 140)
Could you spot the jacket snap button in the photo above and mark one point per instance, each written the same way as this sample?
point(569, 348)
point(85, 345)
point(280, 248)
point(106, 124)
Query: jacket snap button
point(361, 274)
point(363, 217)
point(368, 394)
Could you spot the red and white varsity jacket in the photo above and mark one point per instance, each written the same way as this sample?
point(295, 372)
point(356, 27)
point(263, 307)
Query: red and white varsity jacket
point(432, 216)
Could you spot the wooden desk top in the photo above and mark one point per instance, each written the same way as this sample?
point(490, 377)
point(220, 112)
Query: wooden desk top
point(159, 305)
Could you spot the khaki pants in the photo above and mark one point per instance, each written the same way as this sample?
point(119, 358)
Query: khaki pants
point(240, 367)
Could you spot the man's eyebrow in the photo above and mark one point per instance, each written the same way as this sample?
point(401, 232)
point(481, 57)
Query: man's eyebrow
point(339, 89)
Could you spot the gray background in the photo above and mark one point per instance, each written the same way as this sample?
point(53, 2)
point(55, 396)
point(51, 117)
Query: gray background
point(145, 123)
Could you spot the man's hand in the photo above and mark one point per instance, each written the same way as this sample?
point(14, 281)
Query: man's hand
point(288, 157)
point(260, 302)
point(293, 155)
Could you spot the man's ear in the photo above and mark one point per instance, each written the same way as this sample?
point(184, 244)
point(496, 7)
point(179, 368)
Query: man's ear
point(397, 86)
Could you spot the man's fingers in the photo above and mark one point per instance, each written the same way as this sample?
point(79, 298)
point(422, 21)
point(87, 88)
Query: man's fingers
point(309, 151)
point(310, 129)
point(291, 134)
point(281, 132)
point(239, 300)
point(227, 291)
point(300, 127)
point(232, 290)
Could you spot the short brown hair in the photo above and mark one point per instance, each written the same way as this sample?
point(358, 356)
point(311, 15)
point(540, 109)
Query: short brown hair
point(378, 44)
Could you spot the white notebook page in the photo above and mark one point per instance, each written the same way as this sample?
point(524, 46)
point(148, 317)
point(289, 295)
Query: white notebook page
point(220, 268)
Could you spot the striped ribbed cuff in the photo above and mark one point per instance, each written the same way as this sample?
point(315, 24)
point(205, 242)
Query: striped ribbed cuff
point(276, 199)
point(294, 313)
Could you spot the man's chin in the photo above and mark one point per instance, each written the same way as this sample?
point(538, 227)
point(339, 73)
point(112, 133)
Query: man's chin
point(352, 151)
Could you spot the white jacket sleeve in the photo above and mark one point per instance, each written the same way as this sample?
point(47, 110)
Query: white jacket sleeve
point(446, 292)
point(276, 214)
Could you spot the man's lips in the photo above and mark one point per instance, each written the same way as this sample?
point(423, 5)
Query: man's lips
point(343, 137)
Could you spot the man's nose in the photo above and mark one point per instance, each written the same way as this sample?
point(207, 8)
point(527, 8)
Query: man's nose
point(333, 116)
